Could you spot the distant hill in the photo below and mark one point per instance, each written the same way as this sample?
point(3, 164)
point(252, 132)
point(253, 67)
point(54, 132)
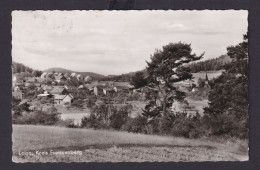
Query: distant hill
point(210, 65)
point(62, 70)
point(123, 77)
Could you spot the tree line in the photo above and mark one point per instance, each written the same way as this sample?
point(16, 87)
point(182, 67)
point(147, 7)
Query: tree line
point(211, 64)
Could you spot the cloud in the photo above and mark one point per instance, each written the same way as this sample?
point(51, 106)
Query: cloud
point(115, 42)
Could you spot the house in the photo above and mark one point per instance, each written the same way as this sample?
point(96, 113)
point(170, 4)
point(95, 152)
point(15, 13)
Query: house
point(72, 80)
point(88, 79)
point(90, 86)
point(107, 91)
point(45, 94)
point(47, 88)
point(97, 89)
point(79, 77)
point(49, 75)
point(121, 89)
point(66, 75)
point(70, 88)
point(60, 74)
point(17, 95)
point(63, 99)
point(106, 83)
point(60, 79)
point(125, 84)
point(73, 74)
point(81, 87)
point(58, 90)
point(44, 75)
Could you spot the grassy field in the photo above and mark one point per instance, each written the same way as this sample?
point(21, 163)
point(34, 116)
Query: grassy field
point(57, 144)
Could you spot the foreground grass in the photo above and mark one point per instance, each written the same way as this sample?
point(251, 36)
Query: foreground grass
point(103, 146)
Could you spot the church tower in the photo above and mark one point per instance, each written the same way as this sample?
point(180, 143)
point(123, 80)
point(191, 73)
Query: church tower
point(206, 81)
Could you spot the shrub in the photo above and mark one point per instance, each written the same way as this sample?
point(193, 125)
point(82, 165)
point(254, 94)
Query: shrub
point(226, 125)
point(119, 118)
point(37, 117)
point(135, 125)
point(91, 122)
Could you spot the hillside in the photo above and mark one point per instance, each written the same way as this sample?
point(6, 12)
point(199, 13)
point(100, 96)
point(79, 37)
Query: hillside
point(112, 146)
point(62, 70)
point(210, 65)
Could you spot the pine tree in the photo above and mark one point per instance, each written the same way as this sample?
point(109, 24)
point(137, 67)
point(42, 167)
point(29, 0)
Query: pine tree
point(165, 69)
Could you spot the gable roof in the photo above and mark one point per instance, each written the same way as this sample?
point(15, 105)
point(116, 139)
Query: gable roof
point(59, 97)
point(57, 89)
point(122, 87)
point(108, 89)
point(73, 74)
point(59, 77)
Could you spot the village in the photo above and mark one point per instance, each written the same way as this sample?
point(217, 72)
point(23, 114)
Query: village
point(62, 90)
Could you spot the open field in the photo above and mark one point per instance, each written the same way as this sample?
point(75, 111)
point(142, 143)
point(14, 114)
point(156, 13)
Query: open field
point(38, 143)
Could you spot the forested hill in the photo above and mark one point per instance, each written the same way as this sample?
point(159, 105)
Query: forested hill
point(207, 65)
point(123, 77)
point(210, 65)
point(18, 68)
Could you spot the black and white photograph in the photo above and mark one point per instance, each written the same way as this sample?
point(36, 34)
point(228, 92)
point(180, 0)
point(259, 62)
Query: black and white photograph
point(130, 86)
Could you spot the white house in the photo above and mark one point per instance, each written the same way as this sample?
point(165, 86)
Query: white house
point(63, 99)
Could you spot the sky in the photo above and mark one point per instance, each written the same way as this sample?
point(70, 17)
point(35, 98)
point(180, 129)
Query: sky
point(117, 42)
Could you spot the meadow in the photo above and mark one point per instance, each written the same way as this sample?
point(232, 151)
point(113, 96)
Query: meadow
point(114, 146)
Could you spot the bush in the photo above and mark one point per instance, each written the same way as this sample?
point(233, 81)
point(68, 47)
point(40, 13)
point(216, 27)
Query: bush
point(226, 125)
point(37, 118)
point(91, 122)
point(119, 118)
point(135, 125)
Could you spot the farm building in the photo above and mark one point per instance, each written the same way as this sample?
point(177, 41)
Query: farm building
point(73, 74)
point(66, 75)
point(62, 99)
point(70, 88)
point(108, 90)
point(79, 77)
point(122, 89)
point(90, 86)
point(47, 88)
point(59, 90)
point(60, 79)
point(88, 79)
point(125, 84)
point(98, 90)
point(45, 94)
point(44, 75)
point(106, 83)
